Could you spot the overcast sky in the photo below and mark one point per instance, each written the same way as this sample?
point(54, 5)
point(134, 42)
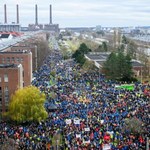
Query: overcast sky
point(79, 13)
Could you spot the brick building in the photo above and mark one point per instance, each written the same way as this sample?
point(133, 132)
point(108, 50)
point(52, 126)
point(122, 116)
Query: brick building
point(20, 57)
point(32, 48)
point(10, 80)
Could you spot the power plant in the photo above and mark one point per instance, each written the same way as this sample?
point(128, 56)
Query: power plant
point(15, 26)
point(48, 27)
point(10, 26)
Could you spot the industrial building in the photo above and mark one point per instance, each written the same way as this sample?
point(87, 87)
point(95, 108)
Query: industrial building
point(48, 27)
point(15, 26)
point(10, 26)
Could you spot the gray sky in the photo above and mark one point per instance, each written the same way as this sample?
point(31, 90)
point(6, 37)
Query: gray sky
point(79, 13)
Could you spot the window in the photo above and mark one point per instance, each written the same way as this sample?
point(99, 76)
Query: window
point(0, 91)
point(3, 60)
point(17, 59)
point(8, 60)
point(5, 78)
point(6, 95)
point(0, 101)
point(6, 88)
point(13, 59)
point(21, 60)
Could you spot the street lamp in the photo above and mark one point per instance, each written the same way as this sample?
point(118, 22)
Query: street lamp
point(141, 74)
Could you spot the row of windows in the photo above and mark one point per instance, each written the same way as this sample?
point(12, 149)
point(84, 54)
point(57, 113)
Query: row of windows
point(5, 89)
point(5, 78)
point(12, 60)
point(6, 95)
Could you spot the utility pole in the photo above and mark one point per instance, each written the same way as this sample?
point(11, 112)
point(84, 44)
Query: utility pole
point(147, 143)
point(141, 75)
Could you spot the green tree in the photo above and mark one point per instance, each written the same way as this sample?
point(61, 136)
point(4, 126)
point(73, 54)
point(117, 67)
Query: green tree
point(88, 66)
point(27, 104)
point(127, 71)
point(103, 47)
point(79, 53)
point(110, 66)
point(124, 40)
point(134, 125)
point(132, 49)
point(121, 48)
point(118, 66)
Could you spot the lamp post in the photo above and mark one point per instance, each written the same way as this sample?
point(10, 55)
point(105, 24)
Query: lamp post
point(147, 143)
point(141, 74)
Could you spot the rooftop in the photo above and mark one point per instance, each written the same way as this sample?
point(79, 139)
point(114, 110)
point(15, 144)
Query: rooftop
point(9, 65)
point(136, 64)
point(8, 43)
point(98, 56)
point(16, 52)
point(4, 36)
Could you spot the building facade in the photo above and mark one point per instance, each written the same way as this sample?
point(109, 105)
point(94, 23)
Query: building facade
point(11, 78)
point(32, 48)
point(20, 57)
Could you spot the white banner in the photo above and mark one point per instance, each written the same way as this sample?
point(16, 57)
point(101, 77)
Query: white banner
point(68, 121)
point(76, 121)
point(87, 129)
point(86, 142)
point(107, 147)
point(78, 136)
point(102, 121)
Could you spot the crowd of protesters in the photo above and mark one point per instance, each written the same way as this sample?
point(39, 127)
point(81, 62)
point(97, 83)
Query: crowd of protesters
point(89, 112)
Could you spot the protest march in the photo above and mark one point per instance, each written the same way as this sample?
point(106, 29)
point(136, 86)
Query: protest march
point(87, 110)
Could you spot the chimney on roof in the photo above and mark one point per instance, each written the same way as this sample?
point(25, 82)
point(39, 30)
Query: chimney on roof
point(5, 14)
point(36, 15)
point(17, 9)
point(50, 14)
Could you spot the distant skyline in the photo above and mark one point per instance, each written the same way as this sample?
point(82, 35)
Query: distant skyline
point(80, 13)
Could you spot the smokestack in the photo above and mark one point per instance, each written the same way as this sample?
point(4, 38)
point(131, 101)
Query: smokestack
point(17, 7)
point(36, 14)
point(5, 14)
point(50, 14)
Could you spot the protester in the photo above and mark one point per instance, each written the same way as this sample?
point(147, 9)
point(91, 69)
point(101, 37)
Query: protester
point(88, 111)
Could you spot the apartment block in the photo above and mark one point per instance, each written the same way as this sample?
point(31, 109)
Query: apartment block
point(11, 78)
point(32, 48)
point(19, 57)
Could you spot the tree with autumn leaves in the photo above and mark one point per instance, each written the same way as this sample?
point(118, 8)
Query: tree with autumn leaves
point(27, 105)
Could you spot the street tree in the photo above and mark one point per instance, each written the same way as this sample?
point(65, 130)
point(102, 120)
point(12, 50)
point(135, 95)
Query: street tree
point(88, 66)
point(134, 125)
point(27, 105)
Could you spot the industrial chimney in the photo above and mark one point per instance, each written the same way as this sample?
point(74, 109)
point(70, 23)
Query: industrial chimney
point(5, 14)
point(17, 8)
point(50, 14)
point(36, 15)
